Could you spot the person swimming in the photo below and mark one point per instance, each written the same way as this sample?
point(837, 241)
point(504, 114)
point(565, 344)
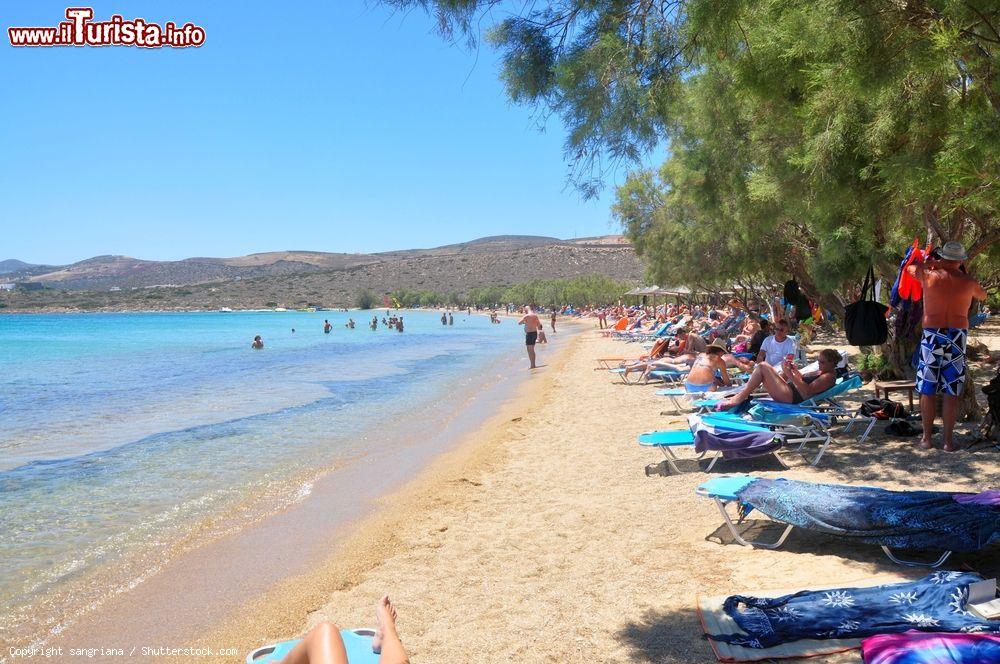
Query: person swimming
point(258, 343)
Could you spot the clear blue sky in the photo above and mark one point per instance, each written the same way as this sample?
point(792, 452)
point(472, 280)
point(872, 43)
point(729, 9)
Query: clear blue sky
point(329, 126)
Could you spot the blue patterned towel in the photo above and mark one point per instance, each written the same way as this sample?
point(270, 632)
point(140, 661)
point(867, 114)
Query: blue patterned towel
point(898, 519)
point(935, 603)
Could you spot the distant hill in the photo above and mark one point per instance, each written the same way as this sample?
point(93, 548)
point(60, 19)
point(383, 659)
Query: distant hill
point(123, 272)
point(12, 268)
point(295, 279)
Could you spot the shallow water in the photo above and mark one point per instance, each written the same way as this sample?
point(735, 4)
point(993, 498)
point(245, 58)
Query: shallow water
point(123, 434)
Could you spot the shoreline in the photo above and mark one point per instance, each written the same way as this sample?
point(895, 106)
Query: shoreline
point(550, 535)
point(283, 611)
point(336, 501)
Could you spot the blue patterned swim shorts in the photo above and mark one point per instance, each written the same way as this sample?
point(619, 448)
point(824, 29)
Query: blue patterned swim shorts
point(942, 361)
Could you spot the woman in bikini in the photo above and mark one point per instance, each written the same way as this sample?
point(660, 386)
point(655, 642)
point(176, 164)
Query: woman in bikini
point(708, 370)
point(790, 386)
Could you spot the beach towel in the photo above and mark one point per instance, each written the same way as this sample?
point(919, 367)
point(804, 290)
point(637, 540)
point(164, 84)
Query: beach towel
point(716, 621)
point(920, 648)
point(897, 519)
point(737, 444)
point(935, 603)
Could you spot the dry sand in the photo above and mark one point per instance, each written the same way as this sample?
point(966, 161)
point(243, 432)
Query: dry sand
point(551, 536)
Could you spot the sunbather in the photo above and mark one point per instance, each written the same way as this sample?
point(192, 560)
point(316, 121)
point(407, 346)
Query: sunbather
point(708, 370)
point(641, 363)
point(324, 645)
point(791, 386)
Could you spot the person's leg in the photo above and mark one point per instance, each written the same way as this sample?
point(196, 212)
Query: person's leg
point(766, 375)
point(949, 408)
point(322, 645)
point(386, 641)
point(531, 355)
point(926, 383)
point(928, 410)
point(755, 381)
point(951, 381)
point(775, 385)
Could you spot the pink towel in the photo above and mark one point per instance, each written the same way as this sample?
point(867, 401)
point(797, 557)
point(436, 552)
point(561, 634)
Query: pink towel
point(930, 648)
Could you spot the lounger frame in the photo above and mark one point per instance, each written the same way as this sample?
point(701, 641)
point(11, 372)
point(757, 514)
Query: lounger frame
point(738, 537)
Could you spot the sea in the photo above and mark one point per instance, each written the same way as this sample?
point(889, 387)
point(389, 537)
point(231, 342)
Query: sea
point(126, 439)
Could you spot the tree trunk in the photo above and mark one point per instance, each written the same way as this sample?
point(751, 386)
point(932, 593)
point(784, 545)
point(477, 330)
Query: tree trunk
point(904, 337)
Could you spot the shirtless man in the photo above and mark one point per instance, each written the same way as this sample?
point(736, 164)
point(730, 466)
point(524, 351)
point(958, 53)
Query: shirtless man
point(531, 327)
point(948, 294)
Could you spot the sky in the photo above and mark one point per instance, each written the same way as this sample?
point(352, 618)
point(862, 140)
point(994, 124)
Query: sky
point(324, 126)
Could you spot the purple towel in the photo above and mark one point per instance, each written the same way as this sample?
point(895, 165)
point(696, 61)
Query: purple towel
point(737, 444)
point(989, 497)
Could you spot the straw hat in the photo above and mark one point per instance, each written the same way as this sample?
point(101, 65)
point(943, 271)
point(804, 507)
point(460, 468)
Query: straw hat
point(718, 343)
point(953, 251)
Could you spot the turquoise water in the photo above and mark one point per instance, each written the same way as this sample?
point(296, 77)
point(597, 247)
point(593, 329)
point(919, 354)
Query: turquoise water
point(122, 433)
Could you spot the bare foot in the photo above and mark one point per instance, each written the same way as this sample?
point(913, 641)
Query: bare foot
point(926, 444)
point(385, 618)
point(949, 447)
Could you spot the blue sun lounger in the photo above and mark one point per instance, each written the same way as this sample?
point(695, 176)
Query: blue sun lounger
point(800, 431)
point(667, 441)
point(675, 394)
point(823, 407)
point(661, 374)
point(358, 643)
point(862, 514)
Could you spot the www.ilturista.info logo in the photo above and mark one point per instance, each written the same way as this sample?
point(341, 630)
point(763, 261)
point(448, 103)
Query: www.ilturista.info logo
point(79, 30)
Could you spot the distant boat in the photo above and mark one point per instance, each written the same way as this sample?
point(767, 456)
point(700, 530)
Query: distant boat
point(226, 310)
point(280, 309)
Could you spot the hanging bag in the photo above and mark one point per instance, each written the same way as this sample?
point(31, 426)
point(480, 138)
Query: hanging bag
point(864, 321)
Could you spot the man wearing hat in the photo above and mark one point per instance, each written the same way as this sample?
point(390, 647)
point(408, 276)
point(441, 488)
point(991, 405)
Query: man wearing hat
point(948, 295)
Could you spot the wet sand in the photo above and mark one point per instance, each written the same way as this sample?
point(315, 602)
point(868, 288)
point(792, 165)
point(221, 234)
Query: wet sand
point(551, 536)
point(214, 579)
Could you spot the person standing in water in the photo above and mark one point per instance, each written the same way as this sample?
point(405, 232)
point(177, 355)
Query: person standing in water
point(327, 327)
point(531, 328)
point(451, 319)
point(948, 294)
point(258, 343)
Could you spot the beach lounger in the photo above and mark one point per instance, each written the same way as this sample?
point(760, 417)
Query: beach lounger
point(725, 446)
point(824, 406)
point(864, 514)
point(640, 377)
point(358, 643)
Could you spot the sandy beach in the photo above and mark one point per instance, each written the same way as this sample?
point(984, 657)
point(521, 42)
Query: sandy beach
point(551, 536)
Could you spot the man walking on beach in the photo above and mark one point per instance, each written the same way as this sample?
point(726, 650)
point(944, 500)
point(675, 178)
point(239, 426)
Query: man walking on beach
point(531, 327)
point(948, 295)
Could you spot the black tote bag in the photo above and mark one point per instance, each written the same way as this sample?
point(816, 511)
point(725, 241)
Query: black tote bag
point(864, 321)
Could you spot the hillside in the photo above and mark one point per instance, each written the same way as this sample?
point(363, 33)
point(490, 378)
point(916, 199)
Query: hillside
point(290, 281)
point(123, 272)
point(13, 269)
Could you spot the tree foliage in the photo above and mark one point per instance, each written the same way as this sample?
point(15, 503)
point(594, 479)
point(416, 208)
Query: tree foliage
point(807, 138)
point(579, 291)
